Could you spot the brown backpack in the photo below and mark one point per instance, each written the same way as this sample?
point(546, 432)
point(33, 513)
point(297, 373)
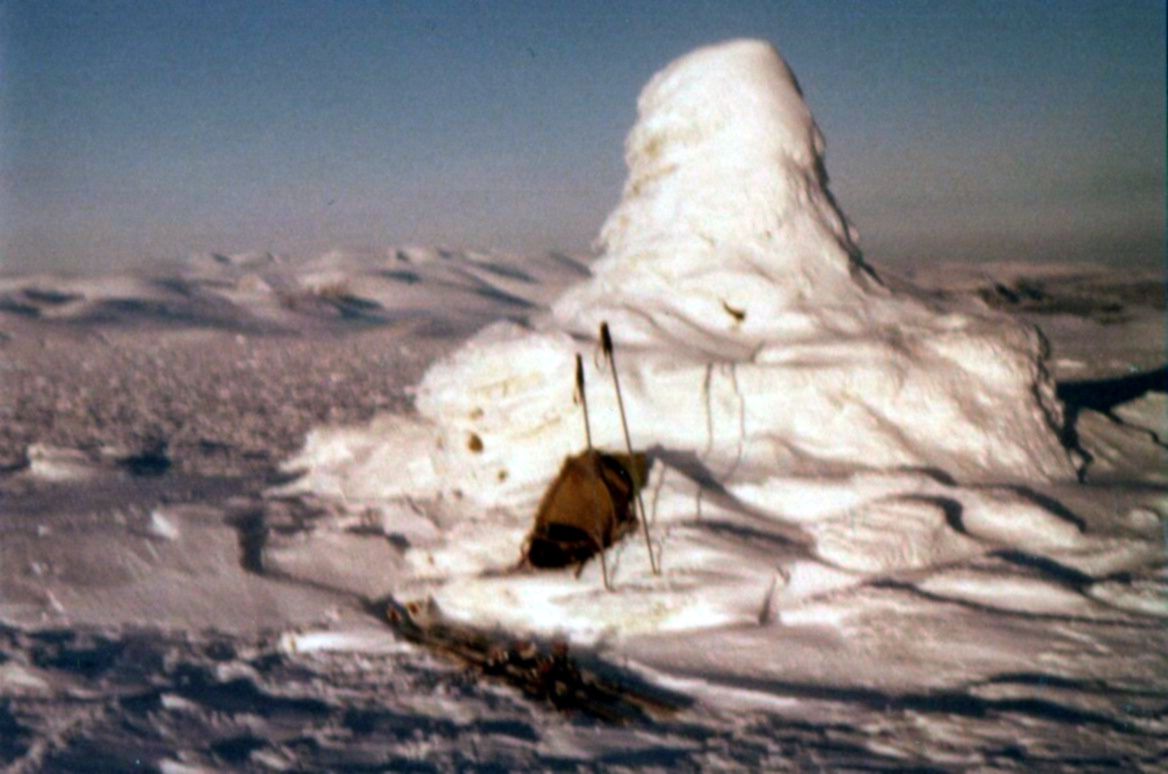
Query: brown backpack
point(588, 507)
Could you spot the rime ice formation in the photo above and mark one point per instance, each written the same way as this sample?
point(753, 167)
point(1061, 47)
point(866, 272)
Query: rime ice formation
point(726, 230)
point(752, 339)
point(804, 420)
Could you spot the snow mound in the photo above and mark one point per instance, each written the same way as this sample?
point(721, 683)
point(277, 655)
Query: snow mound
point(754, 347)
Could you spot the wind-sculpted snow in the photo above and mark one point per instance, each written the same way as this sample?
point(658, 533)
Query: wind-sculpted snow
point(258, 292)
point(754, 343)
point(726, 229)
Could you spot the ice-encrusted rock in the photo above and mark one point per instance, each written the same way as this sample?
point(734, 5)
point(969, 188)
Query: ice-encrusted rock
point(726, 229)
point(751, 336)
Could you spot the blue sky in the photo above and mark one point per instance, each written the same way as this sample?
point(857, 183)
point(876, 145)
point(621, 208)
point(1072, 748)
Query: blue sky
point(136, 132)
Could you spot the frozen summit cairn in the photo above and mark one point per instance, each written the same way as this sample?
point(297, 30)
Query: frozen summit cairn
point(755, 341)
point(726, 224)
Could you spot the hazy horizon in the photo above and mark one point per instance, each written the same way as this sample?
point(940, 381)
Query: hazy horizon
point(134, 134)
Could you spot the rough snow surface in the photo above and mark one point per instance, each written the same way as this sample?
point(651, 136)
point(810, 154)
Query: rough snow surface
point(818, 616)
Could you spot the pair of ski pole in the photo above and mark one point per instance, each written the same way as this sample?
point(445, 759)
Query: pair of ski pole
point(606, 346)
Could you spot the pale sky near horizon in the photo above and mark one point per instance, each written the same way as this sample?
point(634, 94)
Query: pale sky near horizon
point(137, 132)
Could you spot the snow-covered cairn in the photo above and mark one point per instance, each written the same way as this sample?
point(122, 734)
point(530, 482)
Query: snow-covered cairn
point(752, 338)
